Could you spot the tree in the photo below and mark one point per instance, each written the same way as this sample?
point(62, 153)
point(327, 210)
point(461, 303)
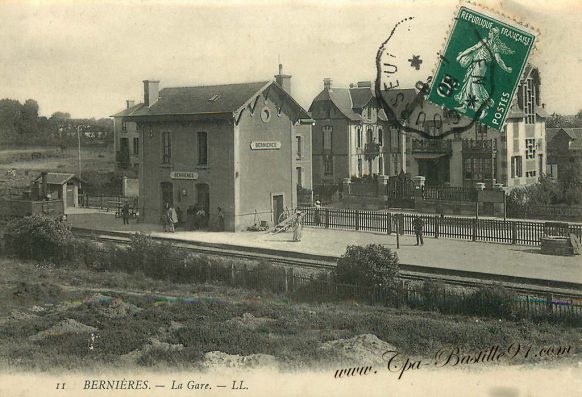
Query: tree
point(373, 266)
point(60, 116)
point(571, 182)
point(10, 115)
point(28, 123)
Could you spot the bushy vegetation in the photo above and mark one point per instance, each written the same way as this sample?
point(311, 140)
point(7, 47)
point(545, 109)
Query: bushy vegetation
point(39, 237)
point(548, 191)
point(373, 266)
point(215, 320)
point(364, 274)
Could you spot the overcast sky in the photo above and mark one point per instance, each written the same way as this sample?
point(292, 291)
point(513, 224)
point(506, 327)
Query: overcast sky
point(88, 57)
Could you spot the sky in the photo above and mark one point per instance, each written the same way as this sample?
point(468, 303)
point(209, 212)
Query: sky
point(88, 57)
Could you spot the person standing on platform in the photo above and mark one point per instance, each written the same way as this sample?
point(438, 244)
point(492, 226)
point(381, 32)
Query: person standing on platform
point(317, 214)
point(125, 213)
point(298, 226)
point(172, 219)
point(418, 224)
point(190, 218)
point(164, 217)
point(220, 220)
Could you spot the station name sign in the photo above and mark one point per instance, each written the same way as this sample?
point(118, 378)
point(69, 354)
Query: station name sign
point(265, 145)
point(183, 175)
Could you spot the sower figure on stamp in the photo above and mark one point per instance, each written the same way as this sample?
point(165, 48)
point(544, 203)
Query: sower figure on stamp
point(418, 224)
point(476, 59)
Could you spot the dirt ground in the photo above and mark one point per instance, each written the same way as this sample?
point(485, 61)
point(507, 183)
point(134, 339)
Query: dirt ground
point(68, 317)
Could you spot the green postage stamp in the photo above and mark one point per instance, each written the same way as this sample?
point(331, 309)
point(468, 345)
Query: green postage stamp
point(481, 67)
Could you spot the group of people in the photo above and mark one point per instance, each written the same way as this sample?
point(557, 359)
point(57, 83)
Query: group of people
point(196, 218)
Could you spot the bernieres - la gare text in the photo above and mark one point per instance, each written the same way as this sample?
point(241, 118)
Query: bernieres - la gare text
point(123, 384)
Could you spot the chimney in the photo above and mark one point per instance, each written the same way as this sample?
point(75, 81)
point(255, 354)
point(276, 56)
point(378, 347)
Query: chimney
point(130, 103)
point(284, 80)
point(327, 83)
point(150, 92)
point(364, 84)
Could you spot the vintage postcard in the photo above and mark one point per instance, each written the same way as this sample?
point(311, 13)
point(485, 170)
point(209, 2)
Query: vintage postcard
point(290, 198)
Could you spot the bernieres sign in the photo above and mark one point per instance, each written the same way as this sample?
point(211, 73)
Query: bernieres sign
point(265, 145)
point(183, 175)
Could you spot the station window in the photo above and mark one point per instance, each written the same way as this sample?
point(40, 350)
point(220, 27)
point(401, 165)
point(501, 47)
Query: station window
point(166, 147)
point(202, 148)
point(136, 146)
point(381, 136)
point(359, 137)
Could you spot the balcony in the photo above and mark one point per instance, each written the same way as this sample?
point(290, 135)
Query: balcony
point(486, 146)
point(371, 150)
point(440, 146)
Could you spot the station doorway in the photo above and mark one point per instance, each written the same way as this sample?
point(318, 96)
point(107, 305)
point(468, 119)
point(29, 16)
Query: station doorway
point(277, 208)
point(167, 190)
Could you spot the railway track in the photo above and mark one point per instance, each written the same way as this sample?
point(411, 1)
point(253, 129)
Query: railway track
point(313, 263)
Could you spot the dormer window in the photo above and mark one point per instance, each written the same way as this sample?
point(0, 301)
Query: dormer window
point(529, 101)
point(214, 98)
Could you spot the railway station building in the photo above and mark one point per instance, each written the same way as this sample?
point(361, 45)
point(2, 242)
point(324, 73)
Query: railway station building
point(242, 147)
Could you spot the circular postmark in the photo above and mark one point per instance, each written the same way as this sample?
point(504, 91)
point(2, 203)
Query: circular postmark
point(476, 78)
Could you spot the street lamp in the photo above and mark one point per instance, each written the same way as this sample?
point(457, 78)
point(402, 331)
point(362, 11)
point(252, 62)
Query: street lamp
point(79, 147)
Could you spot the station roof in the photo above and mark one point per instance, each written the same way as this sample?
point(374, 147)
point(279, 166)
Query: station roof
point(211, 100)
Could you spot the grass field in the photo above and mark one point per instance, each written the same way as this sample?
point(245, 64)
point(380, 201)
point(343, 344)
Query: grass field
point(71, 318)
point(52, 159)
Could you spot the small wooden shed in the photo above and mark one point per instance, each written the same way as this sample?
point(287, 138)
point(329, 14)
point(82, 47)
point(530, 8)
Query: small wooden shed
point(60, 186)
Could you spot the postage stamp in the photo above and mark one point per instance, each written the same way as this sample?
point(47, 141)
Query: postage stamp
point(481, 67)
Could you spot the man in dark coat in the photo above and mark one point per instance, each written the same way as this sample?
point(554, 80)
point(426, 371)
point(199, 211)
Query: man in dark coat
point(125, 213)
point(418, 224)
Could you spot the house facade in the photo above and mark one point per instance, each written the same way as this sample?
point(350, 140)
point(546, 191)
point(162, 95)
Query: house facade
point(126, 138)
point(351, 135)
point(564, 146)
point(232, 146)
point(513, 156)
